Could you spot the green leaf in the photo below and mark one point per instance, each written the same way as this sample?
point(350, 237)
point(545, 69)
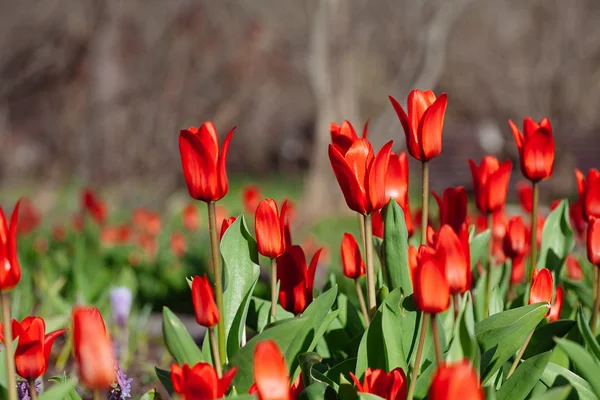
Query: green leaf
point(543, 337)
point(559, 393)
point(395, 250)
point(58, 391)
point(307, 362)
point(259, 313)
point(582, 289)
point(318, 391)
point(527, 374)
point(587, 334)
point(496, 302)
point(557, 238)
point(464, 344)
point(165, 378)
point(178, 341)
point(151, 395)
point(501, 335)
point(582, 387)
point(478, 244)
point(583, 361)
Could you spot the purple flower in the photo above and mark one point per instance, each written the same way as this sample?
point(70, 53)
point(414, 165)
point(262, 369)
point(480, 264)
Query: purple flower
point(120, 300)
point(23, 389)
point(122, 388)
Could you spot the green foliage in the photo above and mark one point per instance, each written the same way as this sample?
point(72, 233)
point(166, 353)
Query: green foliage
point(395, 249)
point(557, 238)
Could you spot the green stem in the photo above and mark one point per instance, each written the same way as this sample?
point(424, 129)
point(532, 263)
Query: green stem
point(361, 224)
point(424, 202)
point(533, 244)
point(361, 300)
point(370, 263)
point(594, 322)
point(520, 355)
point(216, 263)
point(273, 289)
point(456, 303)
point(436, 341)
point(416, 367)
point(8, 347)
point(32, 391)
point(215, 351)
point(488, 272)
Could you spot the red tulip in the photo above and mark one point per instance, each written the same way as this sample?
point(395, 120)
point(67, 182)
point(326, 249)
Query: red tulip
point(270, 372)
point(29, 218)
point(203, 298)
point(558, 304)
point(536, 148)
point(454, 254)
point(541, 220)
point(525, 194)
point(423, 124)
point(10, 274)
point(541, 288)
point(490, 183)
point(578, 221)
point(251, 197)
point(269, 225)
point(589, 192)
point(178, 245)
point(574, 271)
point(397, 186)
point(453, 207)
point(147, 221)
point(190, 217)
point(388, 386)
point(413, 261)
point(200, 381)
point(93, 349)
point(226, 224)
point(378, 225)
point(94, 206)
point(593, 241)
point(516, 239)
point(354, 266)
point(33, 349)
point(203, 163)
point(343, 136)
point(517, 273)
point(296, 281)
point(361, 175)
point(457, 381)
point(432, 291)
point(59, 232)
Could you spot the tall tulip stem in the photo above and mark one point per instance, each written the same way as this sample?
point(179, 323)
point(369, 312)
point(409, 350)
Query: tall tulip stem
point(361, 300)
point(217, 276)
point(594, 322)
point(370, 263)
point(436, 340)
point(11, 380)
point(417, 366)
point(490, 262)
point(215, 351)
point(273, 288)
point(361, 224)
point(425, 202)
point(32, 390)
point(533, 244)
point(519, 355)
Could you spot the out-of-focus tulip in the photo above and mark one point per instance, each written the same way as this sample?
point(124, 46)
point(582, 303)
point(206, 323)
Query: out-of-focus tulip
point(541, 220)
point(361, 175)
point(270, 229)
point(397, 186)
point(432, 291)
point(457, 381)
point(95, 207)
point(574, 271)
point(93, 349)
point(33, 349)
point(77, 222)
point(377, 223)
point(344, 135)
point(593, 241)
point(525, 196)
point(578, 222)
point(203, 162)
point(59, 232)
point(203, 298)
point(200, 381)
point(454, 253)
point(120, 301)
point(490, 183)
point(178, 245)
point(516, 239)
point(250, 198)
point(536, 148)
point(589, 192)
point(423, 124)
point(354, 266)
point(29, 217)
point(147, 221)
point(10, 273)
point(296, 281)
point(517, 273)
point(190, 217)
point(541, 288)
point(413, 261)
point(388, 386)
point(270, 372)
point(453, 207)
point(558, 304)
point(226, 224)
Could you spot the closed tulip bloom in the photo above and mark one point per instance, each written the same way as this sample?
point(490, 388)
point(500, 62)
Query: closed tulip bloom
point(270, 372)
point(525, 196)
point(33, 349)
point(516, 238)
point(388, 386)
point(251, 197)
point(378, 225)
point(94, 351)
point(296, 280)
point(203, 162)
point(517, 273)
point(589, 192)
point(354, 266)
point(453, 207)
point(225, 225)
point(557, 305)
point(490, 183)
point(536, 148)
point(574, 271)
point(344, 135)
point(457, 381)
point(200, 381)
point(432, 291)
point(10, 273)
point(423, 124)
point(361, 175)
point(268, 224)
point(541, 288)
point(593, 241)
point(203, 298)
point(454, 253)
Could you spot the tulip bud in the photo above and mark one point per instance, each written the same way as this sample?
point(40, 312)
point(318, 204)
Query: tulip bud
point(541, 288)
point(456, 382)
point(270, 372)
point(207, 313)
point(516, 238)
point(536, 148)
point(354, 266)
point(10, 273)
point(432, 292)
point(270, 235)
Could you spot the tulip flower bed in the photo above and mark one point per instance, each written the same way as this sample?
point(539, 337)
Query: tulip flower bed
point(467, 305)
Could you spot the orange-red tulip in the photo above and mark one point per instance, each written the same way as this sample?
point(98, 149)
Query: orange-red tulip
point(541, 288)
point(525, 195)
point(457, 381)
point(270, 228)
point(413, 261)
point(361, 175)
point(251, 197)
point(574, 271)
point(225, 225)
point(93, 349)
point(388, 386)
point(517, 273)
point(203, 162)
point(593, 241)
point(354, 266)
point(190, 217)
point(397, 186)
point(589, 192)
point(203, 298)
point(296, 281)
point(33, 350)
point(454, 253)
point(200, 381)
point(432, 291)
point(423, 124)
point(536, 148)
point(577, 218)
point(558, 304)
point(490, 183)
point(29, 217)
point(10, 273)
point(93, 206)
point(453, 207)
point(516, 239)
point(344, 135)
point(178, 245)
point(270, 372)
point(378, 224)
point(147, 221)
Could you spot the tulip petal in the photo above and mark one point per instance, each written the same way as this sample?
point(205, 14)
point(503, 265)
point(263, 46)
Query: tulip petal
point(516, 134)
point(411, 134)
point(458, 271)
point(377, 178)
point(268, 227)
point(497, 187)
point(592, 195)
point(417, 104)
point(431, 128)
point(354, 193)
point(312, 269)
point(352, 262)
point(222, 164)
point(198, 169)
point(541, 288)
point(538, 155)
point(270, 372)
